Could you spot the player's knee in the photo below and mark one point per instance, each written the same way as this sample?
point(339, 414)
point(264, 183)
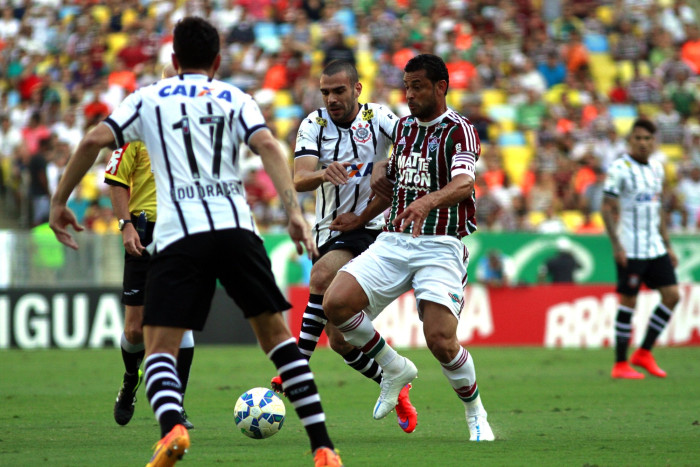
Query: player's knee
point(320, 279)
point(134, 334)
point(671, 298)
point(440, 345)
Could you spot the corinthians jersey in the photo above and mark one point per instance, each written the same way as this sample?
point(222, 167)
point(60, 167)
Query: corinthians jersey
point(130, 167)
point(426, 156)
point(192, 127)
point(638, 187)
point(364, 143)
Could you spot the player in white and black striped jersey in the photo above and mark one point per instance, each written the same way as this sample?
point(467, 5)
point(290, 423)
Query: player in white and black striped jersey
point(336, 149)
point(193, 125)
point(641, 247)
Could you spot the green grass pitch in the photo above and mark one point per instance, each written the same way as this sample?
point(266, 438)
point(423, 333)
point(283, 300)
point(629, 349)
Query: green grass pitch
point(547, 407)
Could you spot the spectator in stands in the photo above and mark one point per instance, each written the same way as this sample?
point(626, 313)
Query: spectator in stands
point(560, 268)
point(642, 89)
point(628, 45)
point(683, 93)
point(690, 51)
point(529, 115)
point(689, 192)
point(495, 269)
point(669, 123)
point(34, 132)
point(39, 192)
point(335, 48)
point(553, 70)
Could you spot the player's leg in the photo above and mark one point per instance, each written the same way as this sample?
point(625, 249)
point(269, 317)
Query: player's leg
point(440, 330)
point(627, 289)
point(132, 349)
point(344, 303)
point(661, 276)
point(184, 364)
point(252, 286)
point(164, 392)
point(297, 379)
point(439, 289)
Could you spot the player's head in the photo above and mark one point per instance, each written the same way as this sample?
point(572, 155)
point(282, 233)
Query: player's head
point(196, 44)
point(340, 88)
point(426, 80)
point(641, 139)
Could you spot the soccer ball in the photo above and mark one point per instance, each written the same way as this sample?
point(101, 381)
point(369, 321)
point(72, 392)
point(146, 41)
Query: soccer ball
point(259, 413)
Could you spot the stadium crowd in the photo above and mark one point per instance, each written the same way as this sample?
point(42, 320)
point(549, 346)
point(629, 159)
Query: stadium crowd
point(551, 85)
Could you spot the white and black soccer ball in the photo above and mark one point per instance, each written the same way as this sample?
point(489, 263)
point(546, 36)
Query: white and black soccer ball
point(259, 413)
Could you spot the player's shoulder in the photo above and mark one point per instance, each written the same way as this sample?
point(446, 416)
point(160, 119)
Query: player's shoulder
point(373, 110)
point(317, 119)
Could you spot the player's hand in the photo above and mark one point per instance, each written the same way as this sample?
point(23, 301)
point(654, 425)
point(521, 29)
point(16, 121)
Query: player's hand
point(415, 214)
point(337, 173)
point(131, 241)
point(60, 217)
point(300, 233)
point(620, 256)
point(381, 185)
point(346, 222)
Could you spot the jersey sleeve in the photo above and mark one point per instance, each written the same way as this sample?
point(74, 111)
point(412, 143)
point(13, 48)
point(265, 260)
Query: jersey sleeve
point(465, 147)
point(613, 181)
point(387, 121)
point(125, 122)
point(250, 120)
point(307, 137)
point(120, 166)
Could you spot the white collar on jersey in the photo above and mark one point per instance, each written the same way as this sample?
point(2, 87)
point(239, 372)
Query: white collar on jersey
point(434, 121)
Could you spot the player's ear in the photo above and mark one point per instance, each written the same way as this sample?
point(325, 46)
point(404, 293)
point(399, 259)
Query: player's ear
point(358, 89)
point(215, 66)
point(176, 65)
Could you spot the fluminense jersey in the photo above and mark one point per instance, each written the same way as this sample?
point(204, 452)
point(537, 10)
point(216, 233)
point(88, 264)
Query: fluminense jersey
point(130, 167)
point(638, 187)
point(364, 143)
point(426, 156)
point(192, 127)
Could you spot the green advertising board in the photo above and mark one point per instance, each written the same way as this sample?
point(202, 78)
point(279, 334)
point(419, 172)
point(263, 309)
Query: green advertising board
point(527, 252)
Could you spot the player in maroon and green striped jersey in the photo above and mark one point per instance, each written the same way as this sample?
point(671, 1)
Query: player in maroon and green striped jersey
point(432, 207)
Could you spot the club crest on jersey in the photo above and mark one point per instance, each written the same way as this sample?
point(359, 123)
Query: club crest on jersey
point(361, 133)
point(367, 114)
point(433, 143)
point(322, 122)
point(454, 297)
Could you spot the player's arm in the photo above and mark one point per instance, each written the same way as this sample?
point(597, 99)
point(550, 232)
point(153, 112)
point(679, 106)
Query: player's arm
point(80, 162)
point(381, 185)
point(351, 221)
point(275, 163)
point(307, 178)
point(610, 210)
point(663, 231)
point(458, 189)
point(120, 205)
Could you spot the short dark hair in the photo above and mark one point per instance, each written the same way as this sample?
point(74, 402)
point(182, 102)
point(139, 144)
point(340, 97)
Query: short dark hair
point(644, 124)
point(339, 66)
point(195, 42)
point(434, 66)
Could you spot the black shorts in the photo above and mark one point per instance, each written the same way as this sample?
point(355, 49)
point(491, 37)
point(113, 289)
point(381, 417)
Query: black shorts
point(135, 270)
point(654, 273)
point(356, 241)
point(182, 278)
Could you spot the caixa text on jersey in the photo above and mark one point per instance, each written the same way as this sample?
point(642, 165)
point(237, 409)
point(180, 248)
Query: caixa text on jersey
point(203, 191)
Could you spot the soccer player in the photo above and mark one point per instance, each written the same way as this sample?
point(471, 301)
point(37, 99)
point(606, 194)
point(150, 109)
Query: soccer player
point(641, 247)
point(133, 194)
point(336, 148)
point(193, 126)
point(132, 190)
point(432, 208)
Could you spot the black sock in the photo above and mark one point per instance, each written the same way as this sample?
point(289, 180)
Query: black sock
point(132, 361)
point(162, 381)
point(657, 323)
point(184, 363)
point(365, 365)
point(291, 364)
point(312, 324)
point(623, 332)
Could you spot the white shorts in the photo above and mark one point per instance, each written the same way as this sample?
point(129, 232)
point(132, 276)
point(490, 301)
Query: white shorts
point(434, 266)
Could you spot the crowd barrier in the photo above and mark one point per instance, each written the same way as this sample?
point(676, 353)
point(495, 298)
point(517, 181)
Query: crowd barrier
point(576, 316)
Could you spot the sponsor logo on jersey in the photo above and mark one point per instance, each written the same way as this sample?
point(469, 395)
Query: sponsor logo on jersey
point(115, 160)
point(361, 133)
point(356, 170)
point(322, 122)
point(367, 114)
point(192, 91)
